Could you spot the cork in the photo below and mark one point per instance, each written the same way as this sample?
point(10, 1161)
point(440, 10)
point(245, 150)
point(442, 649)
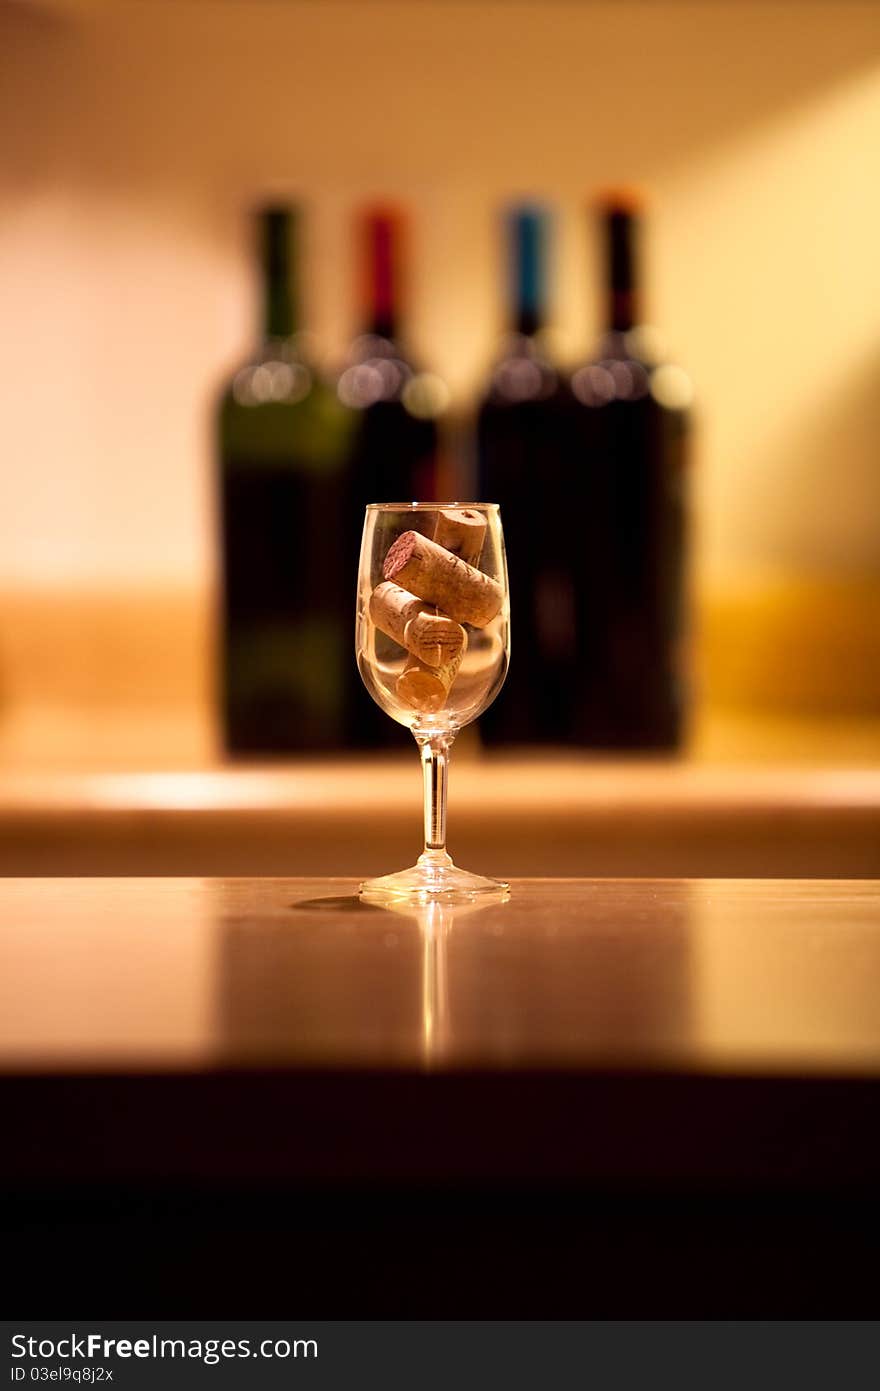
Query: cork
point(425, 684)
point(461, 531)
point(435, 575)
point(432, 638)
point(424, 687)
point(391, 608)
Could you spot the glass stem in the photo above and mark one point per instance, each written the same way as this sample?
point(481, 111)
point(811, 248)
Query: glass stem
point(435, 771)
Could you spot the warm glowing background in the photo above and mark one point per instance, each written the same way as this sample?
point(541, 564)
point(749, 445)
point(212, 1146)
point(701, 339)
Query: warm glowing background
point(135, 136)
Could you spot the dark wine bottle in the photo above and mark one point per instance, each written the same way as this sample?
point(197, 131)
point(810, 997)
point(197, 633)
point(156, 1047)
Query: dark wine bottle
point(394, 441)
point(287, 615)
point(520, 450)
point(630, 429)
point(394, 445)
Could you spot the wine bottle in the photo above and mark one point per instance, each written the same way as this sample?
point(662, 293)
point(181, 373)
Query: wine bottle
point(630, 429)
point(395, 440)
point(520, 451)
point(286, 614)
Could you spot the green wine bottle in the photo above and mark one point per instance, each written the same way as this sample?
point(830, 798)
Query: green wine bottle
point(287, 617)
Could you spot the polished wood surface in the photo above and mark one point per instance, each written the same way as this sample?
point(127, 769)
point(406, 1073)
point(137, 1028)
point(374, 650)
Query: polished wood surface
point(120, 975)
point(602, 1097)
point(562, 815)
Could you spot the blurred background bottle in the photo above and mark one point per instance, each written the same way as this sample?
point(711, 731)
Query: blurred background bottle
point(521, 465)
point(283, 442)
point(394, 444)
point(395, 439)
point(627, 515)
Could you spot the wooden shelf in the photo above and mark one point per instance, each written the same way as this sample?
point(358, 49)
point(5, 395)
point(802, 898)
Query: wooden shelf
point(547, 816)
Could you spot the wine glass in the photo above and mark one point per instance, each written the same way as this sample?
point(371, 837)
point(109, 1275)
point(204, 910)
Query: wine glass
point(433, 644)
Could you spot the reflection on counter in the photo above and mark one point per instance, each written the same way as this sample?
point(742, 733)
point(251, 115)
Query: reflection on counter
point(435, 921)
point(725, 976)
point(552, 974)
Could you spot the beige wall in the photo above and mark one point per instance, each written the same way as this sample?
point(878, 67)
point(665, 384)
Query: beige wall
point(135, 133)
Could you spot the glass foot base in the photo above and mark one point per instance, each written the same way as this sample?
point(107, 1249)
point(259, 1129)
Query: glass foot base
point(433, 878)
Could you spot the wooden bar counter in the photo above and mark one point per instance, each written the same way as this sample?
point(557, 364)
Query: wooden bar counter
point(599, 1097)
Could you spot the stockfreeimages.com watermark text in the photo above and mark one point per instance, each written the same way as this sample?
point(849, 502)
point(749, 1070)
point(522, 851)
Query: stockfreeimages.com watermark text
point(95, 1347)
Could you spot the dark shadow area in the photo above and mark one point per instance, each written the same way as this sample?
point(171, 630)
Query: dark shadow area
point(342, 903)
point(436, 1253)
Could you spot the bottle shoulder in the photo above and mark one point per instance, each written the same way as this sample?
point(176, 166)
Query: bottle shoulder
point(378, 375)
point(629, 367)
point(521, 375)
point(277, 406)
point(278, 371)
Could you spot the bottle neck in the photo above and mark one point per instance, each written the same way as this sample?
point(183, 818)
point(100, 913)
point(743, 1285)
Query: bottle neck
point(278, 228)
point(527, 237)
point(623, 308)
point(381, 249)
